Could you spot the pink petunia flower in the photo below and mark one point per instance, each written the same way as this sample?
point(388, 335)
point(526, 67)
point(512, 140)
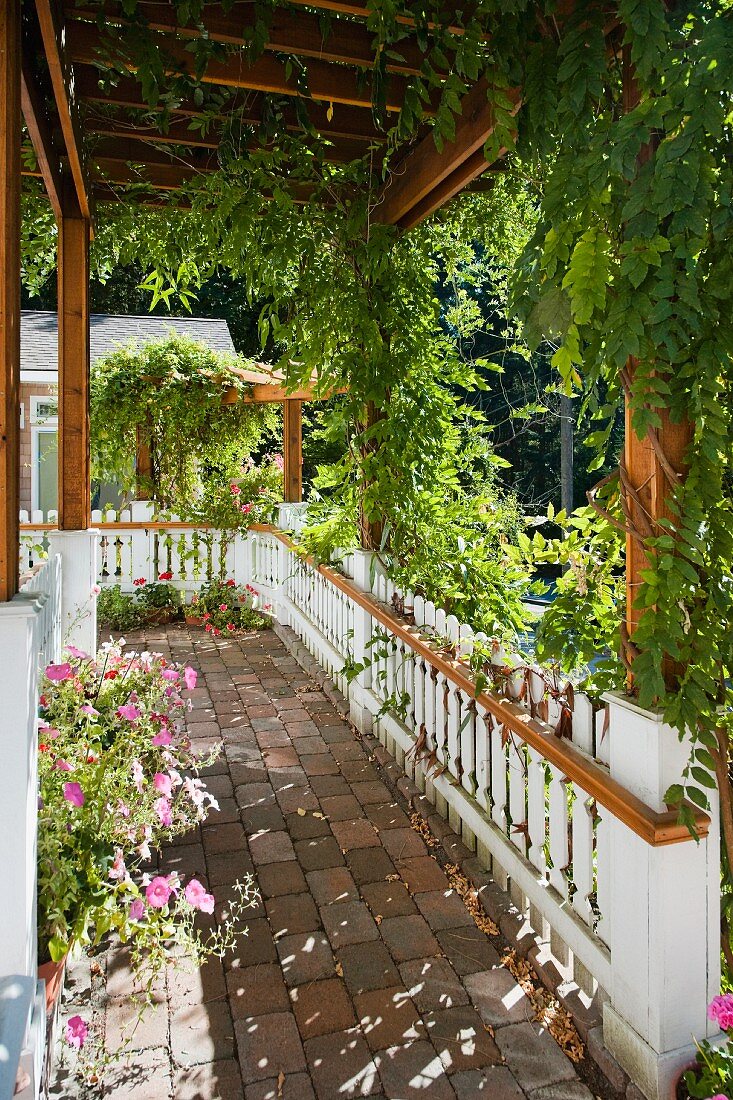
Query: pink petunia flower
point(95, 590)
point(76, 1032)
point(79, 654)
point(190, 676)
point(58, 673)
point(163, 810)
point(246, 509)
point(74, 794)
point(137, 909)
point(158, 892)
point(88, 709)
point(129, 711)
point(235, 490)
point(63, 766)
point(231, 627)
point(170, 674)
point(123, 809)
point(197, 896)
point(163, 737)
point(223, 607)
point(162, 783)
point(138, 775)
point(118, 870)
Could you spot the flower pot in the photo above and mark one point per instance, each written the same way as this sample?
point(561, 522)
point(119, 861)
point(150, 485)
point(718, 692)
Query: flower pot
point(53, 975)
point(161, 615)
point(193, 620)
point(680, 1091)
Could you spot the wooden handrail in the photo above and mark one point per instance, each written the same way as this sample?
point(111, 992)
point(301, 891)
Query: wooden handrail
point(655, 828)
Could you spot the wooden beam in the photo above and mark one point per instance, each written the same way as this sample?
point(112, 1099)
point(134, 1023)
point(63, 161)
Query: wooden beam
point(73, 312)
point(344, 121)
point(62, 82)
point(451, 186)
point(39, 131)
point(298, 33)
point(10, 131)
point(293, 450)
point(424, 169)
point(330, 83)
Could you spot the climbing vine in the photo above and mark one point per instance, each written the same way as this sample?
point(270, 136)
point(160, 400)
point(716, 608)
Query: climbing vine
point(181, 401)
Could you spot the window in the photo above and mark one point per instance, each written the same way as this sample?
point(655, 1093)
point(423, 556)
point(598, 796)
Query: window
point(44, 452)
point(44, 410)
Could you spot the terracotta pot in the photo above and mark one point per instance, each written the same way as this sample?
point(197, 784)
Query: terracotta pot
point(53, 975)
point(681, 1092)
point(162, 615)
point(193, 620)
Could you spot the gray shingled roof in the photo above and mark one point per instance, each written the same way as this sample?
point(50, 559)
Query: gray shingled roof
point(38, 337)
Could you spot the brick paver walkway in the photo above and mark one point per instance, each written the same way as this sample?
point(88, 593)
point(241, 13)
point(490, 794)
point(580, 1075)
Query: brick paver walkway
point(363, 973)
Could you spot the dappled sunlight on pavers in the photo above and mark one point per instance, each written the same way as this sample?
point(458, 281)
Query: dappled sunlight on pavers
point(362, 972)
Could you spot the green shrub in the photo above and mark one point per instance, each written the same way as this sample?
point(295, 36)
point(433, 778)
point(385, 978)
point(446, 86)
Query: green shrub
point(118, 611)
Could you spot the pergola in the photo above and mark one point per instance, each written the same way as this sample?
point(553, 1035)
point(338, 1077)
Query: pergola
point(87, 147)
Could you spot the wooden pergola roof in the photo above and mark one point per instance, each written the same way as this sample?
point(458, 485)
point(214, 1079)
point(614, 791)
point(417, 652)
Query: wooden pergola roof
point(105, 137)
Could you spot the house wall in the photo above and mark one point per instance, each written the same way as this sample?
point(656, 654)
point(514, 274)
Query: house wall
point(28, 390)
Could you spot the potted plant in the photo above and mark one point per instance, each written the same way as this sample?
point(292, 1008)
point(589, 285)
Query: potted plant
point(223, 606)
point(159, 601)
point(117, 778)
point(711, 1077)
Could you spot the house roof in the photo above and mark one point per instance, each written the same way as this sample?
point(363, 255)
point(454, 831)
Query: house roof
point(39, 335)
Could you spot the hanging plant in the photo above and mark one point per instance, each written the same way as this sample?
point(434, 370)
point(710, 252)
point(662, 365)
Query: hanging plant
point(182, 403)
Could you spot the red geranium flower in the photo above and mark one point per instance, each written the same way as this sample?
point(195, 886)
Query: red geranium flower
point(167, 576)
point(139, 582)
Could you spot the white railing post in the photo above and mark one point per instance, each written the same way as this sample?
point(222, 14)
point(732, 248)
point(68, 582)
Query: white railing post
point(143, 541)
point(361, 715)
point(20, 633)
point(78, 551)
point(664, 921)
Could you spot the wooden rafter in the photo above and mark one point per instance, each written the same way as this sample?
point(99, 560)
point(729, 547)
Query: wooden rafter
point(425, 168)
point(297, 33)
point(344, 121)
point(331, 84)
point(62, 81)
point(126, 142)
point(39, 131)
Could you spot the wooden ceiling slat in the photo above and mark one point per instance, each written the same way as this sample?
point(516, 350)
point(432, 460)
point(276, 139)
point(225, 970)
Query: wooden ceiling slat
point(424, 169)
point(332, 84)
point(297, 33)
point(346, 122)
point(63, 90)
point(140, 144)
point(39, 131)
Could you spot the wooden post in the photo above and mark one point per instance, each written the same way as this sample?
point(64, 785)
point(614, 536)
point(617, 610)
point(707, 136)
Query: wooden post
point(293, 450)
point(73, 313)
point(10, 62)
point(646, 486)
point(143, 467)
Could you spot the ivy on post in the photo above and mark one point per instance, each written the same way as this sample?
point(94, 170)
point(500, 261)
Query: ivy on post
point(655, 458)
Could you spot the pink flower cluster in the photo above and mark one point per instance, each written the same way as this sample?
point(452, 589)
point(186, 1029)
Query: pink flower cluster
point(720, 1010)
point(159, 891)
